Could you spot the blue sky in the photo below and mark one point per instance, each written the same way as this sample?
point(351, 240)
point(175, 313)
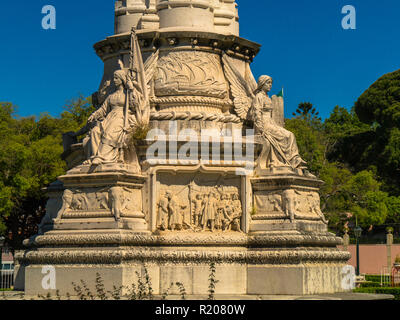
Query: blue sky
point(304, 48)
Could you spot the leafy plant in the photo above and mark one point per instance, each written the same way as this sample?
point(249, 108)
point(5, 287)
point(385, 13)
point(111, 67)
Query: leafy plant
point(101, 292)
point(212, 282)
point(166, 292)
point(182, 290)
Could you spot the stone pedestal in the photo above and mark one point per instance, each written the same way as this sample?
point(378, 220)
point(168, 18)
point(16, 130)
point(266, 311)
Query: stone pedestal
point(244, 265)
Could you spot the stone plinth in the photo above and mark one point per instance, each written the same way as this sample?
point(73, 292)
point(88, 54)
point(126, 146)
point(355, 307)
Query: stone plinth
point(244, 265)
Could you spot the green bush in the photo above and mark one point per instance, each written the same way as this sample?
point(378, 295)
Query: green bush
point(370, 284)
point(380, 290)
point(374, 278)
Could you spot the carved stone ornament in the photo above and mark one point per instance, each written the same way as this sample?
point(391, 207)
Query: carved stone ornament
point(192, 73)
point(199, 208)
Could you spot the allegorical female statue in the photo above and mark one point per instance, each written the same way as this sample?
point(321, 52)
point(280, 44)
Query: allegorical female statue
point(251, 102)
point(112, 122)
point(110, 129)
point(280, 147)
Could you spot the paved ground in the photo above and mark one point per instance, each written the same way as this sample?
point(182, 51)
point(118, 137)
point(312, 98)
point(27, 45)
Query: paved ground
point(12, 295)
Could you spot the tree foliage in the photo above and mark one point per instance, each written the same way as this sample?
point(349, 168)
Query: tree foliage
point(30, 159)
point(379, 108)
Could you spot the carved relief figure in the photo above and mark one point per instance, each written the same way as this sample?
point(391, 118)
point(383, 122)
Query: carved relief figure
point(315, 202)
point(212, 208)
point(237, 212)
point(289, 203)
point(209, 213)
point(162, 214)
point(174, 213)
point(67, 199)
point(197, 209)
point(223, 207)
point(116, 202)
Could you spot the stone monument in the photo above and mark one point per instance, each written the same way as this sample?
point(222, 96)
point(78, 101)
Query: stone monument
point(158, 178)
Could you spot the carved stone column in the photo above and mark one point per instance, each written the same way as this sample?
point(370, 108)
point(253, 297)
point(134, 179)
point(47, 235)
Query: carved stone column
point(128, 14)
point(180, 13)
point(150, 19)
point(226, 18)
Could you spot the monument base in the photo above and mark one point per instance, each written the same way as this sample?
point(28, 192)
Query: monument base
point(245, 265)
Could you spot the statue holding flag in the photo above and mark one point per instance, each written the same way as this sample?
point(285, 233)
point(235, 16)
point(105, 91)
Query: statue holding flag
point(123, 112)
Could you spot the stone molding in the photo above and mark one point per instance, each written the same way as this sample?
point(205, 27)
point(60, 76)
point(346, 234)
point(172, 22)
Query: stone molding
point(165, 116)
point(187, 239)
point(119, 256)
point(199, 40)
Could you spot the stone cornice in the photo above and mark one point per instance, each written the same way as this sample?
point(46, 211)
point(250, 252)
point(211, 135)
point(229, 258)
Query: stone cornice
point(188, 239)
point(170, 38)
point(118, 256)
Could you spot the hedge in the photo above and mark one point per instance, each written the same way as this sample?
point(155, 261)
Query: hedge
point(380, 290)
point(375, 278)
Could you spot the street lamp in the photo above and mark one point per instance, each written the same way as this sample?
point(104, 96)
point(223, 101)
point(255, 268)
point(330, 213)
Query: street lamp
point(357, 233)
point(1, 255)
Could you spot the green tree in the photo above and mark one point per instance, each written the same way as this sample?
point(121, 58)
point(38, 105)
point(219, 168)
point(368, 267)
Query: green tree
point(380, 104)
point(379, 107)
point(307, 111)
point(30, 159)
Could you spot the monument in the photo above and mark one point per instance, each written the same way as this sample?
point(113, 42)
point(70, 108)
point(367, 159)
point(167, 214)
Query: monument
point(185, 162)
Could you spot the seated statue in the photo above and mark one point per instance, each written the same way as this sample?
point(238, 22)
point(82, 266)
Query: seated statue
point(107, 138)
point(280, 148)
point(251, 102)
point(109, 128)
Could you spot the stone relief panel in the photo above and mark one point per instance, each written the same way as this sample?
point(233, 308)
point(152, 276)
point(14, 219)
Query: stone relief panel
point(198, 203)
point(190, 73)
point(290, 203)
point(118, 201)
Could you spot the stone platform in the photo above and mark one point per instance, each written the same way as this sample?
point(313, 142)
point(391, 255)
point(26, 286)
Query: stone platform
point(285, 263)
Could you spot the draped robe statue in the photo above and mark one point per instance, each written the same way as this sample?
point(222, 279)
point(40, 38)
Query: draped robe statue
point(280, 146)
point(107, 141)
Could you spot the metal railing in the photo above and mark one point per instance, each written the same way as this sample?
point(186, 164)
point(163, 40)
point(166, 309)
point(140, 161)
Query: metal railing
point(385, 277)
point(6, 279)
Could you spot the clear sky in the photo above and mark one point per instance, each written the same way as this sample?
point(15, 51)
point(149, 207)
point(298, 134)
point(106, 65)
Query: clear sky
point(304, 48)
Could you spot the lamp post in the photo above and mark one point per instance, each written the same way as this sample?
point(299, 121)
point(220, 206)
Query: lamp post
point(357, 233)
point(1, 262)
